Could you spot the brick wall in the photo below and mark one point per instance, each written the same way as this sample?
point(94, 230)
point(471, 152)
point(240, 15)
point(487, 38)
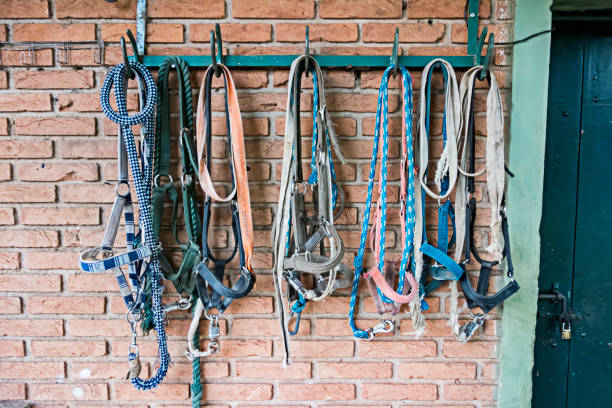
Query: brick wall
point(64, 336)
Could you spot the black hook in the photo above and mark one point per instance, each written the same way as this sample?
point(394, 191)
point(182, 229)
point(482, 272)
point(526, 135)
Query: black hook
point(307, 52)
point(134, 46)
point(126, 62)
point(394, 54)
point(488, 59)
point(215, 45)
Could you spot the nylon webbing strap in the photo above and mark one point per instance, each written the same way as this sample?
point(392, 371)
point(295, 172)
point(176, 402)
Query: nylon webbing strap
point(381, 275)
point(295, 234)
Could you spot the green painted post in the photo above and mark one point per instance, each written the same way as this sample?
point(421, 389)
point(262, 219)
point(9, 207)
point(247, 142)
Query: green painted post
point(525, 194)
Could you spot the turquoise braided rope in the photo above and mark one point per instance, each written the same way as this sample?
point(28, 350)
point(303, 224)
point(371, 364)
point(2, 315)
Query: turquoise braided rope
point(382, 111)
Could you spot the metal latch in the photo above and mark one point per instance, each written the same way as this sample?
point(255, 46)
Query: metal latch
point(565, 317)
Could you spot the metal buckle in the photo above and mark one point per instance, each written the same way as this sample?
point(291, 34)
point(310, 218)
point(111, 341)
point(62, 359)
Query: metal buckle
point(467, 330)
point(385, 326)
point(181, 304)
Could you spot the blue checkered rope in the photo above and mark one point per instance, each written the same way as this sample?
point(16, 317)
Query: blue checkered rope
point(141, 173)
point(382, 113)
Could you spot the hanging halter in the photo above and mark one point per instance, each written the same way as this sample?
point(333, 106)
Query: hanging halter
point(296, 235)
point(466, 202)
point(212, 293)
point(142, 262)
point(443, 268)
point(381, 276)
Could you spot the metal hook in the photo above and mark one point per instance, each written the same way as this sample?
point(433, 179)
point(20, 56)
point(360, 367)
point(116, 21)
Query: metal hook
point(126, 62)
point(134, 46)
point(488, 58)
point(307, 52)
point(394, 54)
point(215, 49)
point(62, 54)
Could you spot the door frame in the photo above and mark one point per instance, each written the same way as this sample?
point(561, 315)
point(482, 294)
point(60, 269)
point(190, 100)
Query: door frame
point(525, 197)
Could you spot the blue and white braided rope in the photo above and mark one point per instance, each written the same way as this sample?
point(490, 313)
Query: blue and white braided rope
point(142, 182)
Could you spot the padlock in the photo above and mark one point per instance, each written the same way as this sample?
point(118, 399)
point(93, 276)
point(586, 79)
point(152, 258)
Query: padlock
point(566, 331)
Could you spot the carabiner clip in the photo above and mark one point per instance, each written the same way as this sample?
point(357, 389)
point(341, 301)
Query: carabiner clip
point(467, 330)
point(385, 326)
point(297, 323)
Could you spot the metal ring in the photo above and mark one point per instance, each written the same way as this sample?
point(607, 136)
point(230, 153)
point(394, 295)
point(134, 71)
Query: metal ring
point(156, 179)
point(127, 184)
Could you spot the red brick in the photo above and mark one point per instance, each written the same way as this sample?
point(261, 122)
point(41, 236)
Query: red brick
point(350, 102)
point(23, 149)
point(12, 348)
point(252, 305)
point(360, 8)
point(95, 9)
point(37, 370)
point(234, 392)
point(501, 32)
point(24, 9)
point(355, 370)
point(88, 193)
point(30, 327)
point(57, 172)
point(233, 32)
point(186, 9)
point(55, 126)
point(15, 58)
point(310, 392)
point(7, 216)
point(13, 391)
point(246, 348)
point(320, 348)
point(81, 348)
point(264, 327)
point(443, 9)
point(3, 79)
point(91, 283)
point(127, 391)
point(418, 392)
point(25, 283)
point(156, 33)
point(5, 171)
point(436, 371)
point(25, 102)
point(415, 32)
point(60, 216)
point(53, 79)
point(87, 149)
point(3, 126)
point(10, 305)
point(208, 370)
point(25, 194)
point(397, 349)
point(473, 349)
point(465, 392)
point(30, 238)
point(68, 392)
point(54, 32)
point(98, 327)
point(65, 305)
point(293, 32)
point(272, 371)
point(101, 370)
point(52, 260)
point(273, 9)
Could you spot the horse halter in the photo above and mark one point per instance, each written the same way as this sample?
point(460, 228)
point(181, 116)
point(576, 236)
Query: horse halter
point(164, 185)
point(381, 276)
point(210, 272)
point(297, 235)
point(443, 267)
point(495, 170)
point(142, 261)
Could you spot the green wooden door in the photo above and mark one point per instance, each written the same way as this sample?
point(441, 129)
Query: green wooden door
point(576, 229)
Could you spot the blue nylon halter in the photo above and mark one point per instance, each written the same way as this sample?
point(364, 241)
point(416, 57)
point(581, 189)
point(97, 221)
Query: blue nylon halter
point(382, 110)
point(142, 181)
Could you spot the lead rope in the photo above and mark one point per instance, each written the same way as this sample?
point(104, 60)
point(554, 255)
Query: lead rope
point(293, 230)
point(445, 178)
point(381, 276)
point(494, 167)
point(142, 182)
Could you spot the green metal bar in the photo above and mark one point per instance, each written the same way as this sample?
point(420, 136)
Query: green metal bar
point(330, 61)
point(472, 23)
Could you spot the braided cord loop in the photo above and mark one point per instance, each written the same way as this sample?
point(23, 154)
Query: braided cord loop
point(142, 181)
